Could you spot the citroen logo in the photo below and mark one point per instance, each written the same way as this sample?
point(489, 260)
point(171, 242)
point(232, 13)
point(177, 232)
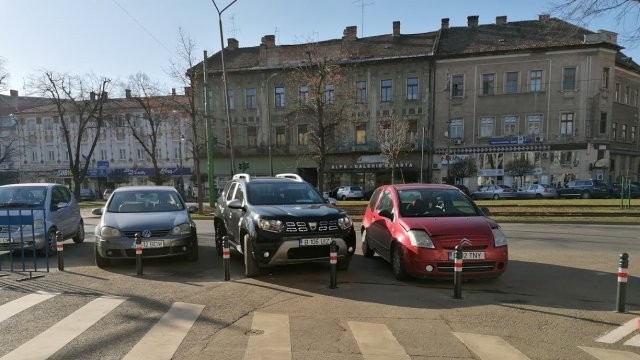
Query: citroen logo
point(313, 225)
point(465, 242)
point(146, 233)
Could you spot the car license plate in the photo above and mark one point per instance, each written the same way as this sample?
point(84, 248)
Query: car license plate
point(468, 255)
point(152, 244)
point(315, 242)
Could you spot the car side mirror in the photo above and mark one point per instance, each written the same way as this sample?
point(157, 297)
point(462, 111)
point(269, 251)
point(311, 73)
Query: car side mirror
point(235, 204)
point(96, 211)
point(386, 213)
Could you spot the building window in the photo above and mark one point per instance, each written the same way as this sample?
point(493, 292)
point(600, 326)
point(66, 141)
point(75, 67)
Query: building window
point(510, 127)
point(103, 154)
point(535, 80)
point(569, 79)
point(457, 86)
point(488, 84)
point(455, 129)
point(614, 131)
point(386, 90)
point(303, 94)
point(140, 154)
point(281, 136)
point(511, 82)
point(361, 92)
point(279, 97)
point(123, 154)
point(534, 124)
point(303, 135)
point(51, 155)
point(361, 134)
point(412, 136)
point(486, 127)
point(329, 94)
point(616, 95)
point(633, 134)
point(566, 123)
point(623, 132)
point(231, 98)
point(252, 138)
point(603, 122)
point(250, 98)
point(627, 93)
point(34, 156)
point(605, 78)
point(635, 98)
point(412, 88)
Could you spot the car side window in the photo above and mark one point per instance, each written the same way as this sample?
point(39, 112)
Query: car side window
point(374, 198)
point(56, 197)
point(385, 203)
point(239, 195)
point(66, 194)
point(232, 191)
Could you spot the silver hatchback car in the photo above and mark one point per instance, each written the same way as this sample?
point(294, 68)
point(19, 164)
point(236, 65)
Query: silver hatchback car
point(32, 214)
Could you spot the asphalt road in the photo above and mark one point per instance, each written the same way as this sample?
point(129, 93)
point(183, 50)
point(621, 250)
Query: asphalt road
point(556, 299)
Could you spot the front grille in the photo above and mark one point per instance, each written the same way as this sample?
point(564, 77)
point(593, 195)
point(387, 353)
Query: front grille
point(154, 233)
point(467, 248)
point(310, 226)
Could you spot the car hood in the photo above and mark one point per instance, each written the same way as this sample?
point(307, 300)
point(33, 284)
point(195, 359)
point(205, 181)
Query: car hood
point(299, 210)
point(149, 220)
point(452, 226)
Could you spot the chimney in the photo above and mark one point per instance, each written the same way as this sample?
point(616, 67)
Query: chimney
point(173, 91)
point(472, 21)
point(544, 17)
point(92, 95)
point(269, 41)
point(445, 23)
point(13, 93)
point(501, 20)
point(232, 44)
point(396, 28)
point(127, 93)
point(105, 95)
point(350, 33)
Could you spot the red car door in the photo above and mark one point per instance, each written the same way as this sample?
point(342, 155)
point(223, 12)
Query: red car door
point(379, 231)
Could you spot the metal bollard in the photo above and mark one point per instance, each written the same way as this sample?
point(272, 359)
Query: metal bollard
point(457, 273)
point(226, 256)
point(138, 253)
point(623, 275)
point(60, 250)
point(333, 263)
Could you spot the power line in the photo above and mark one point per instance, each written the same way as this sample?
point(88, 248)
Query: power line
point(143, 28)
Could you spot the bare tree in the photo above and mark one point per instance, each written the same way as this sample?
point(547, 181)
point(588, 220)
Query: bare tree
point(392, 138)
point(9, 148)
point(463, 168)
point(4, 76)
point(146, 129)
point(179, 71)
point(80, 114)
point(519, 166)
point(584, 11)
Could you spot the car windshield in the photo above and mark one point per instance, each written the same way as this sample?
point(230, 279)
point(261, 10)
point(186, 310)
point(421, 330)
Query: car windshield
point(140, 201)
point(283, 193)
point(435, 203)
point(22, 196)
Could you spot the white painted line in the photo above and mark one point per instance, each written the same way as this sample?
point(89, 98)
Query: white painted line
point(489, 347)
point(634, 341)
point(54, 338)
point(604, 354)
point(13, 307)
point(376, 342)
point(164, 338)
point(620, 332)
point(271, 340)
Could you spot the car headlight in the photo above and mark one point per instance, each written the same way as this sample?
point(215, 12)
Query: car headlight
point(421, 239)
point(38, 223)
point(498, 237)
point(182, 229)
point(345, 222)
point(107, 232)
point(270, 225)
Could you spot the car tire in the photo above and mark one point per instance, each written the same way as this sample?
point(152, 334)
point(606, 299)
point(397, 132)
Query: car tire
point(79, 237)
point(538, 196)
point(192, 256)
point(586, 195)
point(251, 268)
point(50, 249)
point(367, 251)
point(496, 197)
point(397, 263)
point(100, 261)
point(218, 234)
point(344, 197)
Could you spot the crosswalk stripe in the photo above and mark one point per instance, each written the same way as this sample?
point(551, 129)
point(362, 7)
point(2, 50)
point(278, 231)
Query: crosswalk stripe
point(13, 307)
point(618, 333)
point(604, 354)
point(634, 341)
point(489, 347)
point(274, 341)
point(164, 338)
point(55, 337)
point(376, 342)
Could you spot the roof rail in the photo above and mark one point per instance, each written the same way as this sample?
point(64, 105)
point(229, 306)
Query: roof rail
point(290, 176)
point(242, 176)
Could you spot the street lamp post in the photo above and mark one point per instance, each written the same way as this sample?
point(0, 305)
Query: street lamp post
point(269, 123)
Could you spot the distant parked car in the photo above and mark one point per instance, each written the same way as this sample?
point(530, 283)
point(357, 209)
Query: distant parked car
point(349, 192)
point(87, 195)
point(537, 191)
point(585, 189)
point(106, 194)
point(494, 192)
point(631, 190)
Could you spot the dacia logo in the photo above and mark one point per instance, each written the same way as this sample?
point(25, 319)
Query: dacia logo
point(465, 242)
point(313, 225)
point(146, 233)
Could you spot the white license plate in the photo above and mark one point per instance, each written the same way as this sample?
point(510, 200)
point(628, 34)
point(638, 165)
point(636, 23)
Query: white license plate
point(152, 244)
point(468, 255)
point(315, 242)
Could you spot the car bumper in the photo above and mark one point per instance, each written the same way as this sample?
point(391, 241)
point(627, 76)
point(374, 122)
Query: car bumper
point(18, 242)
point(124, 248)
point(429, 263)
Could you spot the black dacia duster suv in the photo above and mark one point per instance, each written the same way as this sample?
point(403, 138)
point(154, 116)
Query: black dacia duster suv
point(280, 220)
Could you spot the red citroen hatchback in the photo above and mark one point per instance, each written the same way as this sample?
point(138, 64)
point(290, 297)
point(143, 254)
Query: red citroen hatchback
point(416, 227)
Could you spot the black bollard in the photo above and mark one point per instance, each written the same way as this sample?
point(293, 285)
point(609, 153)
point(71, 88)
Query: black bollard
point(226, 257)
point(333, 263)
point(138, 253)
point(60, 250)
point(623, 275)
point(457, 273)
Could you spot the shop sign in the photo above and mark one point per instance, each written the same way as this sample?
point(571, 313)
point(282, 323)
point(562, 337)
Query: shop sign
point(366, 166)
point(511, 141)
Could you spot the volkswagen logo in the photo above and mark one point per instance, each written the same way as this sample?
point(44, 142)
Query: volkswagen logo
point(313, 226)
point(465, 242)
point(146, 233)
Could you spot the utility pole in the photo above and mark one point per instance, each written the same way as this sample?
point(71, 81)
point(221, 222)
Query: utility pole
point(207, 115)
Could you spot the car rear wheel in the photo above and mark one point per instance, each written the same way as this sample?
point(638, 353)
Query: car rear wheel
point(251, 268)
point(586, 195)
point(50, 248)
point(219, 233)
point(100, 261)
point(367, 251)
point(496, 197)
point(344, 197)
point(538, 196)
point(397, 263)
point(79, 237)
point(193, 254)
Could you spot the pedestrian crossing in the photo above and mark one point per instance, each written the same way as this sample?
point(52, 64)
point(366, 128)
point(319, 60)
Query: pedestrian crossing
point(270, 337)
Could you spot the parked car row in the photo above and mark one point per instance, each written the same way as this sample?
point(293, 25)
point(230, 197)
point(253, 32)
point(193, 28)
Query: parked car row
point(584, 189)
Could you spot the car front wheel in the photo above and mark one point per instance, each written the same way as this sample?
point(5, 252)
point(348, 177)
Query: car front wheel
point(100, 261)
point(79, 237)
point(397, 263)
point(193, 254)
point(586, 195)
point(219, 233)
point(367, 251)
point(251, 268)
